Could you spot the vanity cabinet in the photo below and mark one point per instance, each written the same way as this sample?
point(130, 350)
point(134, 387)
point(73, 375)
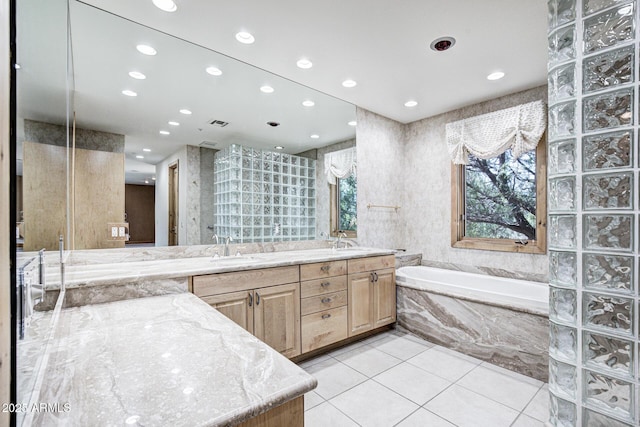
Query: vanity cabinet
point(271, 311)
point(371, 293)
point(323, 304)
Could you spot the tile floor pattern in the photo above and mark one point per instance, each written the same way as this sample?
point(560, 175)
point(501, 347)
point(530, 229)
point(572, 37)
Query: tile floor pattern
point(397, 379)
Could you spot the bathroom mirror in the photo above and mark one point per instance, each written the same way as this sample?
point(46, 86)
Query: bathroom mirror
point(232, 106)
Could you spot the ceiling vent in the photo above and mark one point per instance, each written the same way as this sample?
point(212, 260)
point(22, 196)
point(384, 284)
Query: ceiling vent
point(208, 144)
point(218, 123)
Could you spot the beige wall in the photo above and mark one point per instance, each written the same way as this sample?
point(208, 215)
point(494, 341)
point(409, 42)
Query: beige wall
point(5, 209)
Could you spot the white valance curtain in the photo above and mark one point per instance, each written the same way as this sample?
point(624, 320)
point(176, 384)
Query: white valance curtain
point(489, 135)
point(339, 164)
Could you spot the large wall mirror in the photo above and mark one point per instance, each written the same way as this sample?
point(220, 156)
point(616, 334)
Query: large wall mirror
point(139, 144)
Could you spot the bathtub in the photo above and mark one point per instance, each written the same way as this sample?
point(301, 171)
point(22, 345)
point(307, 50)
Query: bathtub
point(499, 320)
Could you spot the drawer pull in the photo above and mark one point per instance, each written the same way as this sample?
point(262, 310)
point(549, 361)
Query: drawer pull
point(326, 300)
point(257, 298)
point(250, 300)
point(326, 316)
point(325, 268)
point(325, 284)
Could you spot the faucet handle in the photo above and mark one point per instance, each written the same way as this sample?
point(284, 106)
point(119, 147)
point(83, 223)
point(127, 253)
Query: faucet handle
point(216, 238)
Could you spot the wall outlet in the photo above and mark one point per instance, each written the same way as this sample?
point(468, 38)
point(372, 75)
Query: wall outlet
point(117, 230)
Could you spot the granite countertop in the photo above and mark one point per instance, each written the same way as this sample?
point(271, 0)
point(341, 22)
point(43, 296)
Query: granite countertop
point(165, 360)
point(126, 272)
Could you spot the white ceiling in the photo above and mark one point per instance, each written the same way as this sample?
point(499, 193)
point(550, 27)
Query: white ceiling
point(383, 45)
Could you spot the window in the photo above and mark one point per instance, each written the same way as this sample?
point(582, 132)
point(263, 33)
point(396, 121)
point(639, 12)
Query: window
point(500, 203)
point(344, 206)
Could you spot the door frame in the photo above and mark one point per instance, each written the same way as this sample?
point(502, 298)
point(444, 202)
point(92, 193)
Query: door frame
point(174, 204)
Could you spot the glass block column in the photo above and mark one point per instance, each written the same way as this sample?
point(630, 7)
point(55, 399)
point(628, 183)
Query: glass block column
point(264, 196)
point(594, 373)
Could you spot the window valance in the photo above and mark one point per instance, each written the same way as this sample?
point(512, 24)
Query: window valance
point(489, 135)
point(340, 164)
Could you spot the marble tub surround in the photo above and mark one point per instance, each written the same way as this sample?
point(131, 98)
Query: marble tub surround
point(490, 271)
point(166, 360)
point(514, 340)
point(404, 259)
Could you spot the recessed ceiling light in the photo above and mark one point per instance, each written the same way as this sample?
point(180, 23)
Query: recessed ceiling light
point(16, 66)
point(166, 5)
point(146, 49)
point(349, 83)
point(279, 147)
point(266, 89)
point(148, 150)
point(164, 132)
point(443, 43)
point(315, 136)
point(174, 123)
point(139, 157)
point(410, 103)
point(244, 37)
point(308, 103)
point(352, 123)
point(129, 92)
point(146, 181)
point(153, 178)
point(185, 111)
point(495, 76)
point(304, 63)
point(214, 71)
point(137, 75)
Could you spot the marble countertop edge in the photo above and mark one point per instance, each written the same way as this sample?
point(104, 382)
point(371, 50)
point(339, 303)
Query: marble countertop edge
point(124, 273)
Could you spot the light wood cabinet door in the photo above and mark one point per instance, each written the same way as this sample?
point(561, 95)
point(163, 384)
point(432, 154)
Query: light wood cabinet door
point(277, 317)
point(360, 299)
point(384, 297)
point(237, 306)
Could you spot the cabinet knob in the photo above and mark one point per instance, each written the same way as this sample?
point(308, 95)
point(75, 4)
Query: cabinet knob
point(325, 284)
point(325, 268)
point(326, 316)
point(326, 300)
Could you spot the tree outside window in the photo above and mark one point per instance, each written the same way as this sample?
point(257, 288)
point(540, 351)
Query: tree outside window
point(344, 206)
point(500, 203)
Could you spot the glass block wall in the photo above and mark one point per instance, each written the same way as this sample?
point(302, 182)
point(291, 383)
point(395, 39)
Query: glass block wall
point(264, 196)
point(593, 213)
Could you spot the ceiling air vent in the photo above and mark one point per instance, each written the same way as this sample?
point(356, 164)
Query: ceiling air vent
point(208, 144)
point(218, 123)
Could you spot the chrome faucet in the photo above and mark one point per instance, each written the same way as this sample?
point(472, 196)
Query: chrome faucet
point(217, 239)
point(226, 245)
point(341, 235)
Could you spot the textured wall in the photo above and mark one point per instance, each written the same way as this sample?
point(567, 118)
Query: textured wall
point(207, 197)
point(594, 375)
point(426, 205)
point(380, 180)
point(408, 165)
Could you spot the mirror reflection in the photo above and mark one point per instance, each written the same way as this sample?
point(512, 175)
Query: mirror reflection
point(136, 163)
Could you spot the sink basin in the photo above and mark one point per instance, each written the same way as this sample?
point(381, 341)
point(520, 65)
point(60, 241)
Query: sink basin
point(235, 259)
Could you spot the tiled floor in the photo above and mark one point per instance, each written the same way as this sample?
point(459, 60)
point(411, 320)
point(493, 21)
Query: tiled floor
point(397, 379)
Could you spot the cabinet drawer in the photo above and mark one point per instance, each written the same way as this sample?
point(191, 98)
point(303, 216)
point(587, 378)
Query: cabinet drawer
point(213, 284)
point(323, 269)
point(315, 287)
point(323, 328)
point(359, 265)
point(323, 302)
